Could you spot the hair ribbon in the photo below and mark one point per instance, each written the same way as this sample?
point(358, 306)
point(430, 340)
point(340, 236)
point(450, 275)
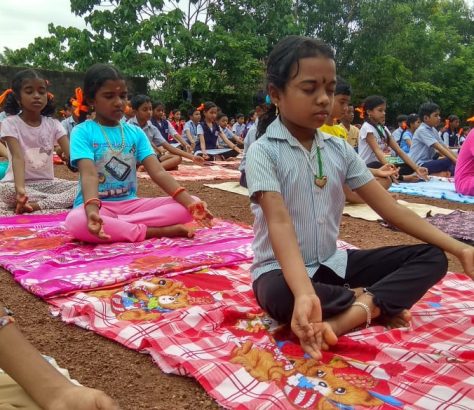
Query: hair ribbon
point(200, 108)
point(361, 111)
point(4, 95)
point(78, 103)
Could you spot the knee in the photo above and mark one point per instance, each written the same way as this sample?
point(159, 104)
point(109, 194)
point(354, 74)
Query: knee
point(439, 260)
point(75, 221)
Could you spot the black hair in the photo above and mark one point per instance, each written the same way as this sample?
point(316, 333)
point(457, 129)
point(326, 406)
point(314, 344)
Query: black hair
point(68, 103)
point(373, 101)
point(452, 118)
point(176, 110)
point(138, 100)
point(411, 119)
point(208, 105)
point(401, 118)
point(96, 76)
point(192, 110)
point(251, 114)
point(342, 87)
point(221, 115)
point(370, 103)
point(155, 104)
point(239, 115)
point(282, 60)
point(427, 108)
point(13, 104)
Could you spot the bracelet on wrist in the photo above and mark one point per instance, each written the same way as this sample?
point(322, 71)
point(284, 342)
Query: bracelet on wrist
point(97, 201)
point(177, 192)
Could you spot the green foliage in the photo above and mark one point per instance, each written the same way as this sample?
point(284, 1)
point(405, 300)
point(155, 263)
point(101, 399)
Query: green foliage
point(409, 51)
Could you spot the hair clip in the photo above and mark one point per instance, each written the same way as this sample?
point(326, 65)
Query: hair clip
point(200, 108)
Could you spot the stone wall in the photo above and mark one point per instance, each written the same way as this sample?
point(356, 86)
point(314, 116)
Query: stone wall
point(63, 83)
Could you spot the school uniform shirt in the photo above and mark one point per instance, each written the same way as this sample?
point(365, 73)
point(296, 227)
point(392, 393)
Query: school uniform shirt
point(450, 138)
point(405, 136)
point(194, 129)
point(37, 145)
point(397, 133)
point(210, 136)
point(166, 129)
point(424, 138)
point(238, 129)
point(3, 115)
point(153, 133)
point(365, 151)
point(277, 162)
point(250, 138)
point(116, 170)
point(335, 130)
point(228, 133)
point(68, 124)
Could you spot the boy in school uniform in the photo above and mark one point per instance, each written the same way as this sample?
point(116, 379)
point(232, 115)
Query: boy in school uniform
point(427, 149)
point(342, 97)
point(352, 130)
point(239, 127)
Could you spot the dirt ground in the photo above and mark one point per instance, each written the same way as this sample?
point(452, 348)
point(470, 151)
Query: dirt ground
point(130, 377)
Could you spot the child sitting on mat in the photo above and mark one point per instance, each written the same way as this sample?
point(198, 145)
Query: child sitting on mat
point(106, 151)
point(464, 176)
point(31, 134)
point(375, 140)
point(207, 143)
point(427, 146)
point(295, 177)
point(169, 156)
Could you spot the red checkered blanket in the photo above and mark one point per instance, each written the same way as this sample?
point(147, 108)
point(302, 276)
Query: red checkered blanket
point(207, 325)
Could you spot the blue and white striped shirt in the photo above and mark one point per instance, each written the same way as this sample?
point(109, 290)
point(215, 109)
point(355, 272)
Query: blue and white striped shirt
point(277, 162)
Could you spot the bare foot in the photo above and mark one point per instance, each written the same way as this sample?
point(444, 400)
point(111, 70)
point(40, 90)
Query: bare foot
point(401, 320)
point(172, 231)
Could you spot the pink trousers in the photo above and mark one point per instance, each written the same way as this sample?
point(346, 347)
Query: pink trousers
point(127, 221)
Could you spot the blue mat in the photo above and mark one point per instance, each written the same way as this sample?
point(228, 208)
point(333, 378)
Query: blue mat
point(436, 187)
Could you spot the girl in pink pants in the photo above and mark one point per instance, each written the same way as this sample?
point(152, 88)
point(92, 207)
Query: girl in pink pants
point(106, 151)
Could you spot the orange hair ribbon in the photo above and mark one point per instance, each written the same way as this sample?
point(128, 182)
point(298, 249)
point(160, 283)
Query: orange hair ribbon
point(128, 110)
point(78, 103)
point(361, 111)
point(447, 124)
point(471, 119)
point(4, 95)
point(200, 108)
point(404, 125)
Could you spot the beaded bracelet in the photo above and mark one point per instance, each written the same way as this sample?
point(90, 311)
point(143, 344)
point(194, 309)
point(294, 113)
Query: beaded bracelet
point(7, 319)
point(367, 310)
point(178, 191)
point(97, 200)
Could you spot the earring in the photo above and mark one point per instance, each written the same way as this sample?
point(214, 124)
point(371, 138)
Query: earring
point(277, 111)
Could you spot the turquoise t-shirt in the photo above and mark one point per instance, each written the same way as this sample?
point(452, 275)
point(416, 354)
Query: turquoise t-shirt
point(116, 170)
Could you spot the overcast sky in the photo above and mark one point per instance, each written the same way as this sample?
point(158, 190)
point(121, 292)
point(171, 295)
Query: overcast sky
point(23, 20)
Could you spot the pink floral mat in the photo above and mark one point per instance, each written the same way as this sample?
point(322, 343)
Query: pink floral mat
point(46, 261)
